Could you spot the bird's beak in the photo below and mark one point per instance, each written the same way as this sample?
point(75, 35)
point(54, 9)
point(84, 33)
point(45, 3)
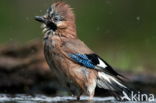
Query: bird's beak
point(48, 23)
point(40, 19)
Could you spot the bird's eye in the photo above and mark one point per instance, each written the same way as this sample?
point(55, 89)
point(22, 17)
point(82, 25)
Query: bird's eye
point(56, 18)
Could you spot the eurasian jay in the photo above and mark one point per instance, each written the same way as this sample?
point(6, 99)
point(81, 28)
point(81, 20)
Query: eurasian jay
point(76, 66)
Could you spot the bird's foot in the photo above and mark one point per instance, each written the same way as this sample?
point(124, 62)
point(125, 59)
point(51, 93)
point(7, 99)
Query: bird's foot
point(78, 98)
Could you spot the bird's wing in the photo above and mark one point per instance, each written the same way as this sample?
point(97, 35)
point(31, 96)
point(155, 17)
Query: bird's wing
point(93, 61)
point(78, 52)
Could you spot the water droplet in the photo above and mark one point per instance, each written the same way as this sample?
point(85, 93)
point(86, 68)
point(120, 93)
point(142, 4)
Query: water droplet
point(27, 18)
point(40, 11)
point(138, 18)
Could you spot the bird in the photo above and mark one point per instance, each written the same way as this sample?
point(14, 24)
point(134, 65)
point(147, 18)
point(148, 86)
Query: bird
point(76, 66)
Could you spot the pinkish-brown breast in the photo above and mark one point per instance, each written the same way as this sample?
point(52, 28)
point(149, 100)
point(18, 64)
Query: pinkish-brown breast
point(56, 53)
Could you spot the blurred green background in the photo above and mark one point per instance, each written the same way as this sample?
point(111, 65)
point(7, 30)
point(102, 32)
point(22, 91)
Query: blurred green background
point(121, 31)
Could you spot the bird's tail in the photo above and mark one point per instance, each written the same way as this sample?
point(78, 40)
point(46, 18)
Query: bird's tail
point(115, 85)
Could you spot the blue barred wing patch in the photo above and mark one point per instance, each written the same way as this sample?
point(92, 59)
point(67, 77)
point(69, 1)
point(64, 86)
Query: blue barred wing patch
point(82, 59)
point(93, 61)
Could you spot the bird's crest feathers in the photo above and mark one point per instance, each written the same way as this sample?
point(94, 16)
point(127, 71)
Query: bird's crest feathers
point(64, 10)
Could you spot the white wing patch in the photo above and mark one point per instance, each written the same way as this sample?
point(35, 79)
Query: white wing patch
point(101, 64)
point(110, 79)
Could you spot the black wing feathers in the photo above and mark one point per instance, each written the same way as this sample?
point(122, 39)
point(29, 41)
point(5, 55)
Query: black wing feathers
point(95, 61)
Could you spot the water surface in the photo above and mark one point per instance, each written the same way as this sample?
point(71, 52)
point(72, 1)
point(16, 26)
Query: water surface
point(23, 98)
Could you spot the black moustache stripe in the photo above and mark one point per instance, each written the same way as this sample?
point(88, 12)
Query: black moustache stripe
point(51, 25)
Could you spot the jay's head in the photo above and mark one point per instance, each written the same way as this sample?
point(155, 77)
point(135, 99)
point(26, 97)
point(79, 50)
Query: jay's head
point(59, 17)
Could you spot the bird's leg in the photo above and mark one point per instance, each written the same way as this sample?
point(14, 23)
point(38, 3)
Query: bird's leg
point(78, 98)
point(91, 97)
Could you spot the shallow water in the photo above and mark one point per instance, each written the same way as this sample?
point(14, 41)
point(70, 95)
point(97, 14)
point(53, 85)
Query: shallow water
point(22, 98)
